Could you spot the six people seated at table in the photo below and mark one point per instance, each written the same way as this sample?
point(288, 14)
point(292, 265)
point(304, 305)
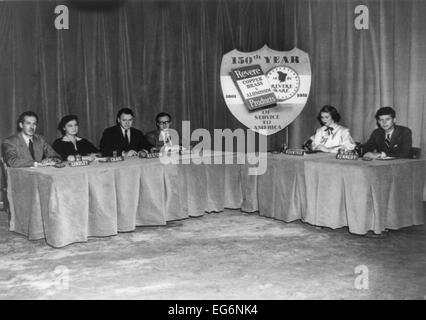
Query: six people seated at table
point(27, 149)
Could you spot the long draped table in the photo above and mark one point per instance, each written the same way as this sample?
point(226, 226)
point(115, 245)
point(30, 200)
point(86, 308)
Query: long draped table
point(324, 191)
point(69, 205)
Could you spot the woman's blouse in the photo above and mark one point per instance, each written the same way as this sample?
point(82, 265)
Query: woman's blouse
point(333, 137)
point(67, 148)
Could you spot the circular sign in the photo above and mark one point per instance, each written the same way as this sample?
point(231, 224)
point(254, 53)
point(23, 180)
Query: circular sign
point(284, 81)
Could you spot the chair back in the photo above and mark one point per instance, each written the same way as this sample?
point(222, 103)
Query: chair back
point(3, 186)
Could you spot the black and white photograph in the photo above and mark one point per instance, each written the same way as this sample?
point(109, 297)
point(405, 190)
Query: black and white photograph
point(219, 152)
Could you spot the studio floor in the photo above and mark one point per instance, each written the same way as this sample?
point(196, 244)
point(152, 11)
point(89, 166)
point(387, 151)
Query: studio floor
point(226, 255)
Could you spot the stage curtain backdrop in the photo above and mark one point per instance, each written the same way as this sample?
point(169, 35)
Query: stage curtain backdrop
point(165, 56)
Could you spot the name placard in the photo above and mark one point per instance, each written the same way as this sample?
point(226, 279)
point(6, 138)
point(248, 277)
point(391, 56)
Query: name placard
point(347, 156)
point(295, 152)
point(80, 163)
point(115, 159)
point(153, 155)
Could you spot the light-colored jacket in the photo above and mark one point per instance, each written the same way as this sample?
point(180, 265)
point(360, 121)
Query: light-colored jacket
point(15, 151)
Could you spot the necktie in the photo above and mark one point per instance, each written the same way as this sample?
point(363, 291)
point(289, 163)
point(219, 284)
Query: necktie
point(167, 139)
point(329, 130)
point(31, 148)
point(387, 140)
point(126, 138)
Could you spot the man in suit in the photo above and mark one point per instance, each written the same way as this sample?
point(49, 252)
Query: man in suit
point(389, 140)
point(26, 148)
point(160, 137)
point(123, 138)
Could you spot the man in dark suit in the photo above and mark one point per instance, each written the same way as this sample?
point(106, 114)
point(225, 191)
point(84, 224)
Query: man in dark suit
point(26, 148)
point(389, 140)
point(123, 138)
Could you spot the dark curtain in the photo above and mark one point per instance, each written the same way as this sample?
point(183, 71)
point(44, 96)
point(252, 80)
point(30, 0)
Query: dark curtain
point(165, 56)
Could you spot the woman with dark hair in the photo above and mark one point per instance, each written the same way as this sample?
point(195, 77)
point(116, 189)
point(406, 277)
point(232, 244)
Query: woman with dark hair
point(71, 144)
point(331, 136)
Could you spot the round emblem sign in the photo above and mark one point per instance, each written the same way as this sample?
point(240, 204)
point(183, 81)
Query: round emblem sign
point(284, 82)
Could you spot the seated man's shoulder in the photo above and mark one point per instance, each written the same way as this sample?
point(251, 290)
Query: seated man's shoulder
point(110, 129)
point(151, 133)
point(11, 139)
point(136, 131)
point(39, 137)
point(377, 131)
point(404, 129)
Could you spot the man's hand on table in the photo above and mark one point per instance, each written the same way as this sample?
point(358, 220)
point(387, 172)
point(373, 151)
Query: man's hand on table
point(143, 153)
point(131, 153)
point(47, 162)
point(89, 157)
point(374, 155)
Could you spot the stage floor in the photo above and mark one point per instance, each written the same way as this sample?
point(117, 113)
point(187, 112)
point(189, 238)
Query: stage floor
point(227, 255)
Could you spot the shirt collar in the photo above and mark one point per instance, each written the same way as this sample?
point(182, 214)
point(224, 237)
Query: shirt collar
point(123, 130)
point(334, 126)
point(27, 139)
point(390, 133)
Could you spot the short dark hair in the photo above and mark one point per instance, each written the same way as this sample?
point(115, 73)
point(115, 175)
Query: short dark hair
point(22, 116)
point(162, 114)
point(64, 122)
point(125, 111)
point(385, 111)
point(332, 111)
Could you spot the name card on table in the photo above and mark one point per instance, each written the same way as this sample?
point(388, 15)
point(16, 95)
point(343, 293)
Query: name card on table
point(80, 163)
point(295, 152)
point(111, 159)
point(347, 155)
point(115, 159)
point(150, 155)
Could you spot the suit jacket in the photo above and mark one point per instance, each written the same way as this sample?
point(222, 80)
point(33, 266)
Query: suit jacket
point(16, 153)
point(154, 138)
point(113, 139)
point(400, 143)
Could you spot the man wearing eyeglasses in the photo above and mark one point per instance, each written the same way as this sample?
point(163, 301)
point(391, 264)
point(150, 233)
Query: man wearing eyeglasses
point(162, 136)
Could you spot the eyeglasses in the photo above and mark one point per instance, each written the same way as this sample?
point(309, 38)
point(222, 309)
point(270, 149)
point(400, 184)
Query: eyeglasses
point(163, 122)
